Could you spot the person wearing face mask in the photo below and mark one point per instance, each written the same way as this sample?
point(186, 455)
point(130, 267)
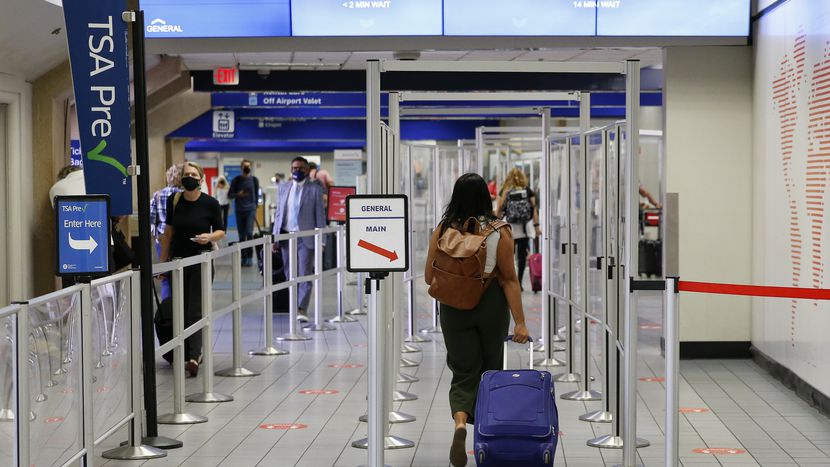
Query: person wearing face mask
point(194, 222)
point(245, 193)
point(300, 207)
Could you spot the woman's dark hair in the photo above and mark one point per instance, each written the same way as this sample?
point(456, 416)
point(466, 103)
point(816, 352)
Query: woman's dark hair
point(470, 198)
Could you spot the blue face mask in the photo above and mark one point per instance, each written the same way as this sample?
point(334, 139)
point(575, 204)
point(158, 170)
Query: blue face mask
point(298, 175)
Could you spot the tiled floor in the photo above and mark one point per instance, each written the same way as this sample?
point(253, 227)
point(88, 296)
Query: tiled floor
point(745, 410)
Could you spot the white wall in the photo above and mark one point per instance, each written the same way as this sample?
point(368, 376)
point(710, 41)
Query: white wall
point(792, 245)
point(708, 133)
point(16, 94)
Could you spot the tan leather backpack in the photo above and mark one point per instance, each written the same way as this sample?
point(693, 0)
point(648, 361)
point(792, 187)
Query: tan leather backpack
point(458, 278)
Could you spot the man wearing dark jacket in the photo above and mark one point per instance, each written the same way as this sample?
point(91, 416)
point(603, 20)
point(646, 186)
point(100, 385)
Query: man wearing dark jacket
point(245, 193)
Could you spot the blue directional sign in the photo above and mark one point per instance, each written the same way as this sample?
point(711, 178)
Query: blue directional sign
point(83, 233)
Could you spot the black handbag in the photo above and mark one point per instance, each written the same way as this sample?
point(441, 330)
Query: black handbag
point(122, 254)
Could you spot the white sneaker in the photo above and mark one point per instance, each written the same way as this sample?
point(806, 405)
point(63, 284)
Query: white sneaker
point(301, 316)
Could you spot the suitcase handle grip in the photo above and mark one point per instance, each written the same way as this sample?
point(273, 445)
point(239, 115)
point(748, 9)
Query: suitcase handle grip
point(508, 339)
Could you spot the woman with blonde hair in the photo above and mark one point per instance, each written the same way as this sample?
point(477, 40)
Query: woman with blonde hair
point(517, 203)
point(194, 222)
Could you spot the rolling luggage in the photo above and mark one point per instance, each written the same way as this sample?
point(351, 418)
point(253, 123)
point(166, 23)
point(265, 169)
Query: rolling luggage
point(516, 421)
point(534, 263)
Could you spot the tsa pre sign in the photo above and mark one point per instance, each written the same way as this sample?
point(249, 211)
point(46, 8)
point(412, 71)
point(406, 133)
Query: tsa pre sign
point(83, 232)
point(376, 233)
point(97, 38)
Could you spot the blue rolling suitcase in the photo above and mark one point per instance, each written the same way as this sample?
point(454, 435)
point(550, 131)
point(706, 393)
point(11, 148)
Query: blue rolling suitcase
point(516, 421)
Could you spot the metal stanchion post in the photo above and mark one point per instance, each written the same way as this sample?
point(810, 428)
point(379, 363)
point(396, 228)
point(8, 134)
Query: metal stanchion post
point(567, 246)
point(361, 303)
point(22, 374)
point(584, 394)
point(268, 348)
point(134, 450)
point(413, 336)
point(207, 395)
point(319, 324)
point(549, 329)
point(341, 317)
point(672, 338)
point(179, 417)
point(88, 438)
point(609, 300)
point(237, 371)
point(293, 334)
point(436, 320)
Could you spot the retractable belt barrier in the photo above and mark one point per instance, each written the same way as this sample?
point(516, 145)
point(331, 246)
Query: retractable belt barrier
point(671, 333)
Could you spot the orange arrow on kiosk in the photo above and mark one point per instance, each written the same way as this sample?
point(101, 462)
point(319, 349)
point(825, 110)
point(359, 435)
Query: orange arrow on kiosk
point(392, 255)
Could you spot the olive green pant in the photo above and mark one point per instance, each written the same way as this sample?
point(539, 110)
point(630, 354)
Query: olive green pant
point(475, 343)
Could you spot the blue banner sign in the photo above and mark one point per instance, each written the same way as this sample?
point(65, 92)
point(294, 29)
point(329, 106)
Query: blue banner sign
point(83, 233)
point(97, 38)
point(216, 18)
point(75, 155)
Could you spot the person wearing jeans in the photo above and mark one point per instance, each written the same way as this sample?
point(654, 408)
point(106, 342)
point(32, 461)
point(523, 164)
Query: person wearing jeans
point(245, 193)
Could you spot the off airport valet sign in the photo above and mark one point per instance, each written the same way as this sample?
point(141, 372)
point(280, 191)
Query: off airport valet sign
point(83, 233)
point(97, 39)
point(376, 233)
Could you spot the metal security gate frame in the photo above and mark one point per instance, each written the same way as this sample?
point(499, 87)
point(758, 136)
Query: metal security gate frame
point(377, 185)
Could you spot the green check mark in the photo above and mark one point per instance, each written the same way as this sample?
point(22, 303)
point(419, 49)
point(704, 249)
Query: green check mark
point(95, 155)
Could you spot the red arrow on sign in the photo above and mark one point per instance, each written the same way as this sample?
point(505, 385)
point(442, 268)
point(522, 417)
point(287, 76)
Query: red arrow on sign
point(392, 255)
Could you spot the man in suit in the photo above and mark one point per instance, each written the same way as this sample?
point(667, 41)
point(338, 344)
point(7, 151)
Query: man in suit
point(300, 208)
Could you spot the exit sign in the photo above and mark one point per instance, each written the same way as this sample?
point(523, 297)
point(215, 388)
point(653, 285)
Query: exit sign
point(226, 77)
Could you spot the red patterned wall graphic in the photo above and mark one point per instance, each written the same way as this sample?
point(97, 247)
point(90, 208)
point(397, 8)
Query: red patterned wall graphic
point(818, 160)
point(807, 189)
point(785, 89)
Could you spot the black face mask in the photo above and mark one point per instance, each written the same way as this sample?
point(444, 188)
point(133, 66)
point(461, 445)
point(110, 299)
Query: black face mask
point(246, 170)
point(190, 183)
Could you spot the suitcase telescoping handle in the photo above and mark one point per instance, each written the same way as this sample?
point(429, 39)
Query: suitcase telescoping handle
point(508, 339)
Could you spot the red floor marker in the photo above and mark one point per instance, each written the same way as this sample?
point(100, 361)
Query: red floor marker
point(534, 319)
point(53, 420)
point(316, 392)
point(66, 391)
point(692, 410)
point(346, 365)
point(102, 389)
point(283, 426)
point(718, 451)
point(650, 326)
point(471, 452)
point(535, 308)
point(653, 380)
point(360, 346)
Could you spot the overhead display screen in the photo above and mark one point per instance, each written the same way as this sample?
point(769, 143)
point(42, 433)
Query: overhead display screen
point(339, 18)
point(675, 18)
point(517, 18)
point(366, 17)
point(216, 18)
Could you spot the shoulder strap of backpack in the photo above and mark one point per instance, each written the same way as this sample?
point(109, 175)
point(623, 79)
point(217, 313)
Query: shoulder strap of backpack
point(493, 225)
point(176, 197)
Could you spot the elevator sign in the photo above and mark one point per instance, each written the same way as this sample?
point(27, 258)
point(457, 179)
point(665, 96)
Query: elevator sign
point(376, 233)
point(83, 235)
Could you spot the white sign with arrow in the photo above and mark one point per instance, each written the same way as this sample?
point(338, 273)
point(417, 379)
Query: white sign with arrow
point(376, 232)
point(88, 245)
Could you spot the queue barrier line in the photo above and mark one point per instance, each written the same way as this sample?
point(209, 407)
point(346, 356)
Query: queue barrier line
point(76, 303)
point(754, 290)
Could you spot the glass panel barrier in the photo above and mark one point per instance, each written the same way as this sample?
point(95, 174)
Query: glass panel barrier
point(421, 217)
point(559, 221)
point(594, 248)
point(578, 249)
point(55, 380)
point(111, 354)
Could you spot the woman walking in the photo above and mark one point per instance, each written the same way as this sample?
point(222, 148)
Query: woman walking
point(194, 222)
point(475, 337)
point(517, 203)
